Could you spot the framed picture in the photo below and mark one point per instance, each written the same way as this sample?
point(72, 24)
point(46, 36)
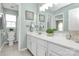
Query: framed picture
point(29, 15)
point(41, 18)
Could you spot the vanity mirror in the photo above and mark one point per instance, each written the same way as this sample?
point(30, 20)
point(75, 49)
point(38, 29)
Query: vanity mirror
point(59, 18)
point(41, 18)
point(73, 22)
point(49, 21)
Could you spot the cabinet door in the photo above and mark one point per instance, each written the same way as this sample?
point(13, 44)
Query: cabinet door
point(52, 54)
point(76, 53)
point(41, 47)
point(28, 42)
point(60, 50)
point(33, 45)
point(41, 50)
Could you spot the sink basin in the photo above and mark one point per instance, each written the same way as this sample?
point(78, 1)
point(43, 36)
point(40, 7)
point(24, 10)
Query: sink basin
point(39, 33)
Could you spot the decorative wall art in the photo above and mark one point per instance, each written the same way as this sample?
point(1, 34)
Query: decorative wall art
point(29, 15)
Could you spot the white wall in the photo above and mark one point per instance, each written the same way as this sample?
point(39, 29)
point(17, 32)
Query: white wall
point(22, 22)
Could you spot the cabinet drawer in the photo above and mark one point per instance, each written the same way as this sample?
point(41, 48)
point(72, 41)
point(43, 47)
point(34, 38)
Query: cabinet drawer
point(42, 42)
point(76, 53)
point(60, 49)
point(50, 53)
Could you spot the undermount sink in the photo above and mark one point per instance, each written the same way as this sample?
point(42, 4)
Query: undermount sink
point(39, 33)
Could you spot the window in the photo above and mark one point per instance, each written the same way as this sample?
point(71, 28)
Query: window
point(10, 20)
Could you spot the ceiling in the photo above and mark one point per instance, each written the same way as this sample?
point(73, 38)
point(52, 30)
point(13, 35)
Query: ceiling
point(57, 6)
point(11, 6)
point(14, 6)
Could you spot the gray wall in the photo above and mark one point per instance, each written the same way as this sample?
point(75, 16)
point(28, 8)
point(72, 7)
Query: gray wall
point(2, 39)
point(8, 11)
point(1, 8)
point(65, 11)
point(21, 23)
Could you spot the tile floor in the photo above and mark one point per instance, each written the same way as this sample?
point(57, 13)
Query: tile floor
point(13, 51)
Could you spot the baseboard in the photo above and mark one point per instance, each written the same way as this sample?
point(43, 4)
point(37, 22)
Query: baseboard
point(23, 49)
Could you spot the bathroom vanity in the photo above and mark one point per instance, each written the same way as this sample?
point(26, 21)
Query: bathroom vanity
point(57, 45)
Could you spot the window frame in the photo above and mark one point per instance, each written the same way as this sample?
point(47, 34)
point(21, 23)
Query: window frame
point(10, 21)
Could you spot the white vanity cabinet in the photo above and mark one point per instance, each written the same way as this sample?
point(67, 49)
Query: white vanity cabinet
point(51, 53)
point(59, 50)
point(76, 53)
point(36, 46)
point(33, 45)
point(41, 47)
point(41, 50)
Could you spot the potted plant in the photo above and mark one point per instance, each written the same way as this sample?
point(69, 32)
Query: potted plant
point(54, 30)
point(50, 31)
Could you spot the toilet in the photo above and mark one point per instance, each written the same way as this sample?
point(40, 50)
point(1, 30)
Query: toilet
point(11, 37)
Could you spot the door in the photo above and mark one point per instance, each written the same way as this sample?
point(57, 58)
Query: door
point(11, 25)
point(59, 25)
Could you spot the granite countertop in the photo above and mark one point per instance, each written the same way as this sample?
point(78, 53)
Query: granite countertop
point(58, 38)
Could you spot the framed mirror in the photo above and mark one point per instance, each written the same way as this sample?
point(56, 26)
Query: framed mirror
point(49, 21)
point(41, 18)
point(59, 18)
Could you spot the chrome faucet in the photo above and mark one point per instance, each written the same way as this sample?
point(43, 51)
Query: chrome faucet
point(31, 27)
